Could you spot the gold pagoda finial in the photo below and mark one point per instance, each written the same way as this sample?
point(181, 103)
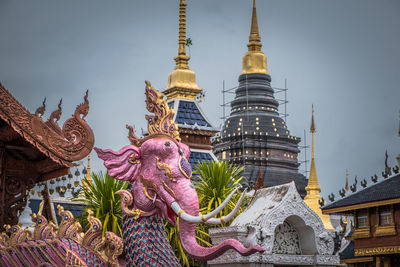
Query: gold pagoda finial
point(254, 61)
point(312, 127)
point(182, 59)
point(254, 38)
point(88, 174)
point(346, 187)
point(313, 181)
point(182, 81)
point(313, 189)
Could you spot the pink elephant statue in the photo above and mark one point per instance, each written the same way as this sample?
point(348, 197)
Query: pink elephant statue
point(159, 172)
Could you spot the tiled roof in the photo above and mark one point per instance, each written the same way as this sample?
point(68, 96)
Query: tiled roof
point(386, 189)
point(348, 252)
point(197, 157)
point(189, 113)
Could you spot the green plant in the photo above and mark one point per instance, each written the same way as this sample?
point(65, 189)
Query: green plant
point(99, 195)
point(215, 180)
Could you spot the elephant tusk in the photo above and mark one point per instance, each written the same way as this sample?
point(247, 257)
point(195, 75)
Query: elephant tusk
point(200, 218)
point(154, 199)
point(227, 218)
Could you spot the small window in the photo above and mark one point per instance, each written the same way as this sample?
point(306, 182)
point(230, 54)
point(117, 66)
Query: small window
point(362, 219)
point(224, 155)
point(385, 215)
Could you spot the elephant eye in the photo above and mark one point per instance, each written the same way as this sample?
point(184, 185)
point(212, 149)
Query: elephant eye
point(180, 150)
point(167, 143)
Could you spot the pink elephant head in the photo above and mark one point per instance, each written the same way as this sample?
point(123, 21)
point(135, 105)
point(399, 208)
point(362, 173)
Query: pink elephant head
point(158, 168)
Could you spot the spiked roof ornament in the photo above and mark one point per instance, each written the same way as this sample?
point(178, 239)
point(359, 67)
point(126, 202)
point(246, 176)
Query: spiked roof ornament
point(159, 124)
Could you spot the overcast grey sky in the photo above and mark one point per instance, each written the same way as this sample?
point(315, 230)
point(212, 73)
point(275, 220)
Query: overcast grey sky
point(341, 55)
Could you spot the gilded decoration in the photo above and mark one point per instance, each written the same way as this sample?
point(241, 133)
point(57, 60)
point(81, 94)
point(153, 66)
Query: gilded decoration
point(376, 251)
point(161, 123)
point(254, 61)
point(126, 202)
point(67, 242)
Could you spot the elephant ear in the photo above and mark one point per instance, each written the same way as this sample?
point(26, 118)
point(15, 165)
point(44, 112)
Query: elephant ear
point(123, 164)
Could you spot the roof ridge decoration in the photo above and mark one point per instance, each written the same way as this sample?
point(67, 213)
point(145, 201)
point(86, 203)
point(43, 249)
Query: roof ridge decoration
point(254, 61)
point(94, 243)
point(159, 124)
point(374, 178)
point(182, 81)
point(72, 142)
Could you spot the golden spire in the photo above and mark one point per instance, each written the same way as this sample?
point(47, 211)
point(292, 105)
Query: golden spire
point(312, 180)
point(313, 189)
point(346, 187)
point(182, 81)
point(254, 38)
point(254, 61)
point(88, 175)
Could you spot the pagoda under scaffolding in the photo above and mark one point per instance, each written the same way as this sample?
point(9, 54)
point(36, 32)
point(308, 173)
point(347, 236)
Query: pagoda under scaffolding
point(254, 135)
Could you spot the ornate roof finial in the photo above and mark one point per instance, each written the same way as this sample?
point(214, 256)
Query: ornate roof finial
point(260, 181)
point(313, 189)
point(312, 127)
point(399, 124)
point(159, 124)
point(254, 38)
point(182, 59)
point(182, 81)
point(254, 61)
point(40, 110)
point(346, 187)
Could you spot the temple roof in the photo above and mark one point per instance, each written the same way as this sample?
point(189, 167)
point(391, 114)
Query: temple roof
point(387, 189)
point(348, 251)
point(189, 115)
point(197, 156)
point(44, 145)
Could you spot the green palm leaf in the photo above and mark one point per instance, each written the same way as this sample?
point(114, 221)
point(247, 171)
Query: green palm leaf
point(98, 195)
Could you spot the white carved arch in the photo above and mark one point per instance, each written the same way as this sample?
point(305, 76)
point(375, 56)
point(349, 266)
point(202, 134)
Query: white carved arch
point(293, 208)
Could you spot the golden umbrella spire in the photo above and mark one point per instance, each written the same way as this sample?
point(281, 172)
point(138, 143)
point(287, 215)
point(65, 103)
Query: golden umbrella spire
point(182, 59)
point(254, 38)
point(254, 61)
point(182, 81)
point(313, 189)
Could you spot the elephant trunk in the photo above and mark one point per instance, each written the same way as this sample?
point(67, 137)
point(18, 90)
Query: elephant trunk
point(188, 239)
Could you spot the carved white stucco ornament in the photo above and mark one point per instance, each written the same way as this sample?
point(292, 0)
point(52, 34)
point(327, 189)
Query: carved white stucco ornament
point(278, 212)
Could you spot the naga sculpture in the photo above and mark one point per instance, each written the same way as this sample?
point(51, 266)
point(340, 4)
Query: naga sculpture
point(159, 173)
point(64, 246)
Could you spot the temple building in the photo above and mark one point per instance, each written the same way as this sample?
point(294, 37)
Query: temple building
point(181, 93)
point(34, 151)
point(374, 239)
point(313, 197)
point(254, 135)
